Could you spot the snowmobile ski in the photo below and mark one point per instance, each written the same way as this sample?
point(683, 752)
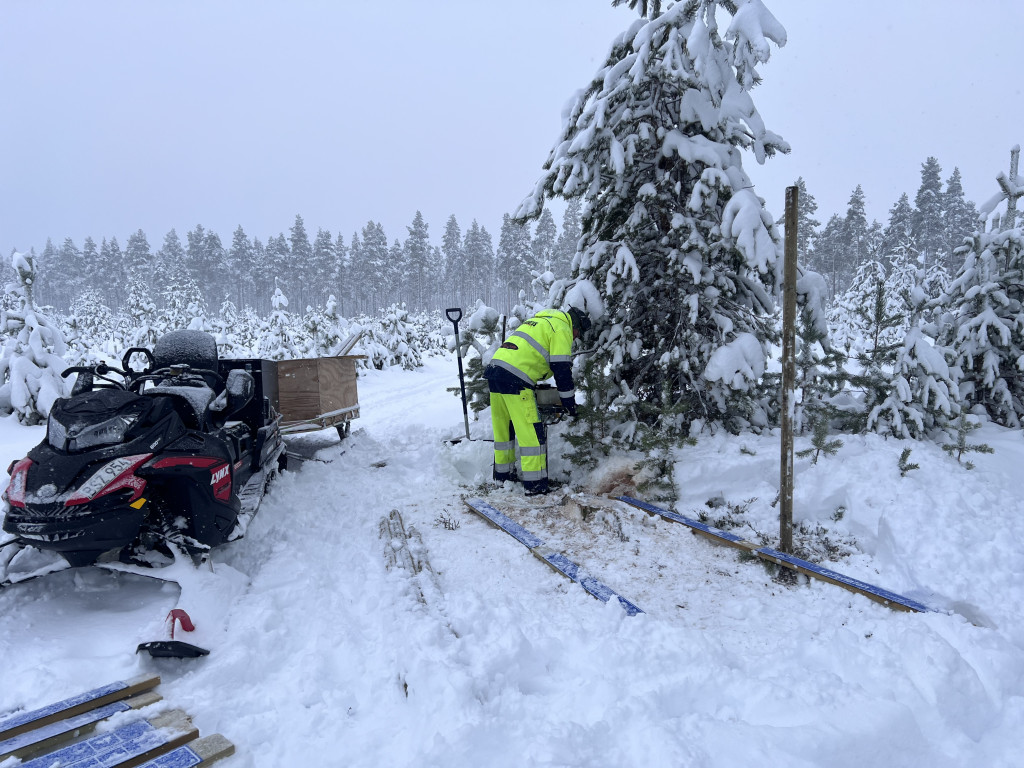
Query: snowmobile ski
point(556, 560)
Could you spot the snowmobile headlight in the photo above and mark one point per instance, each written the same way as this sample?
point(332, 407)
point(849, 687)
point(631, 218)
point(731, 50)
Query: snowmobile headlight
point(56, 433)
point(109, 432)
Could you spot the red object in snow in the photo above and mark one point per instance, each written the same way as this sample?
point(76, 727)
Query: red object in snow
point(179, 615)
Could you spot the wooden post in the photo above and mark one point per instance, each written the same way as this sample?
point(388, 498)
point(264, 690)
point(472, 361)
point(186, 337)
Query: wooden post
point(788, 371)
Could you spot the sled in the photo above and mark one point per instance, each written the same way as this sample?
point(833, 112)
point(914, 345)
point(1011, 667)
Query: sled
point(316, 393)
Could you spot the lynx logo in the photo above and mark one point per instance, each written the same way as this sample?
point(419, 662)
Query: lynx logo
point(221, 482)
point(220, 474)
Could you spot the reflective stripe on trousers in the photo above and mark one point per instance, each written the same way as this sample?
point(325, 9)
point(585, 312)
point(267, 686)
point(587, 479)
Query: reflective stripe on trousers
point(515, 420)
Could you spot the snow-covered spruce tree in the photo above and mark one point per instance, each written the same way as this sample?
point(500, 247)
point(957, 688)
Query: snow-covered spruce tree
point(371, 346)
point(929, 232)
point(335, 330)
point(249, 331)
point(88, 329)
point(869, 314)
point(137, 323)
point(675, 243)
point(430, 329)
point(984, 324)
point(399, 336)
point(278, 339)
point(873, 321)
point(33, 349)
point(920, 395)
point(819, 365)
point(184, 307)
point(225, 327)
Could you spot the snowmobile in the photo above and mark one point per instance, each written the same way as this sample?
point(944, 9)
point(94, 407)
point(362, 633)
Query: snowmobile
point(138, 465)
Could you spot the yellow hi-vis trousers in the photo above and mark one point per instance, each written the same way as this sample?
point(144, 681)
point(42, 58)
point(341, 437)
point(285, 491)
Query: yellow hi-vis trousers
point(515, 419)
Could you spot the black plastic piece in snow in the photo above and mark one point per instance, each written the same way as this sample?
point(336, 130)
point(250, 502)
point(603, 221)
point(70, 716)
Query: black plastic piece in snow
point(172, 649)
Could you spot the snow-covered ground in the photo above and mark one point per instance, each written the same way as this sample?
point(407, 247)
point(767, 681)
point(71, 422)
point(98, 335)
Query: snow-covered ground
point(324, 657)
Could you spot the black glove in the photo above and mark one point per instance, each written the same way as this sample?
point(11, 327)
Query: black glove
point(569, 404)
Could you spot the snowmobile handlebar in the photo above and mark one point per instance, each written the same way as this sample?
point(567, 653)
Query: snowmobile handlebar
point(142, 351)
point(185, 374)
point(102, 369)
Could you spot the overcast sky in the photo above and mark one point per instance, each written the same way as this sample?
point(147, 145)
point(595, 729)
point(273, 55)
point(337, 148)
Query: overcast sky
point(125, 115)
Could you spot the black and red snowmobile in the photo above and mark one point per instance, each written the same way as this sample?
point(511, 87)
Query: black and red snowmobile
point(138, 465)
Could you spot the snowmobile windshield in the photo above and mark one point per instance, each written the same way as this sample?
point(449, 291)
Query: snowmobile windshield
point(94, 419)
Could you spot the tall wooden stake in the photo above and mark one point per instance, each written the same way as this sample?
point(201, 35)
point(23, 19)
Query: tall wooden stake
point(788, 371)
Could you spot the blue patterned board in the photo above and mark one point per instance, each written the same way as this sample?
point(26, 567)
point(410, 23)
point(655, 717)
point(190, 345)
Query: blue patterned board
point(106, 750)
point(605, 593)
point(182, 757)
point(556, 560)
point(718, 533)
point(506, 523)
point(830, 575)
point(18, 722)
point(27, 739)
point(560, 563)
point(767, 553)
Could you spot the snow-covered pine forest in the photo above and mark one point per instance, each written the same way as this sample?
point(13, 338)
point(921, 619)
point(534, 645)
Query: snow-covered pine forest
point(904, 326)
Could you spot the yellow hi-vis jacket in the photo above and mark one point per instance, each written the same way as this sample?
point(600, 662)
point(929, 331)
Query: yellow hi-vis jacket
point(538, 349)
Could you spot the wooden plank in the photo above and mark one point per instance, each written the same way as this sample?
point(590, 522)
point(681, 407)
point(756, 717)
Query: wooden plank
point(204, 751)
point(51, 736)
point(21, 722)
point(878, 594)
point(126, 747)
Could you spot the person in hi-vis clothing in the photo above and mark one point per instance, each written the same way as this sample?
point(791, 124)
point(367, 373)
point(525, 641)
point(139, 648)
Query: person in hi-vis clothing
point(538, 349)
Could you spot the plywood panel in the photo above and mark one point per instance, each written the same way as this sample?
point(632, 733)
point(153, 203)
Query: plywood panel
point(298, 376)
point(312, 387)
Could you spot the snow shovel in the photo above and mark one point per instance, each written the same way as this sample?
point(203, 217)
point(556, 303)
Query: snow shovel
point(455, 314)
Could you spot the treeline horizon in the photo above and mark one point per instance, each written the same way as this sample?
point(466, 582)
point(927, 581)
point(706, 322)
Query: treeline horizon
point(371, 270)
point(365, 273)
